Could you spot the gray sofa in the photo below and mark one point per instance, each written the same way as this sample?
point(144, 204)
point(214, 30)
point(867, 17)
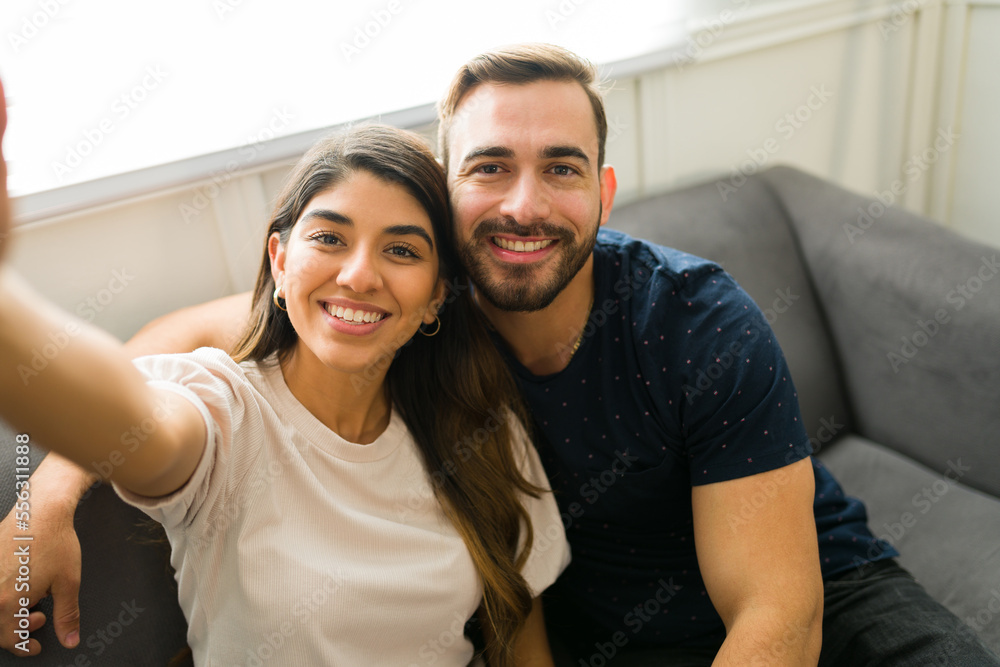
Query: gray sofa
point(915, 435)
point(891, 327)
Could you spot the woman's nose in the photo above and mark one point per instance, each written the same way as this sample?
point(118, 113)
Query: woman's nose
point(359, 273)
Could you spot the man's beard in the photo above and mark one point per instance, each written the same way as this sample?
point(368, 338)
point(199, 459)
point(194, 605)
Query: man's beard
point(516, 287)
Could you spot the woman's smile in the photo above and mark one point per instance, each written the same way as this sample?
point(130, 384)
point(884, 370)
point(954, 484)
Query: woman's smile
point(351, 317)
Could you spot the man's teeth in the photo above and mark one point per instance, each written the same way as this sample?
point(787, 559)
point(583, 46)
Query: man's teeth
point(521, 246)
point(351, 315)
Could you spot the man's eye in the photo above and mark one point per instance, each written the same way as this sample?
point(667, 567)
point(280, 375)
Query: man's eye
point(490, 169)
point(562, 170)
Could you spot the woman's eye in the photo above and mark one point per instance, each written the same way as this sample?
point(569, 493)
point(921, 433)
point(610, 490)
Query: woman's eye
point(326, 238)
point(403, 250)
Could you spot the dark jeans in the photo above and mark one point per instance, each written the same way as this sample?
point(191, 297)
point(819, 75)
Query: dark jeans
point(876, 617)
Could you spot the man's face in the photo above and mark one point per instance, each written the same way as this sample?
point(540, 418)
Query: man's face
point(526, 191)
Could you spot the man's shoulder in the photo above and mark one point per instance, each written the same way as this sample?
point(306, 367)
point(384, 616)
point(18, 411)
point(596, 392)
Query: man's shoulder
point(636, 258)
point(659, 257)
point(669, 290)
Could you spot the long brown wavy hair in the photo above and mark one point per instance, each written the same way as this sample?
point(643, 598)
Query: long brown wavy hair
point(448, 388)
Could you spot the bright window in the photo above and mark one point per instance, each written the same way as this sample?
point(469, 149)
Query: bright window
point(104, 87)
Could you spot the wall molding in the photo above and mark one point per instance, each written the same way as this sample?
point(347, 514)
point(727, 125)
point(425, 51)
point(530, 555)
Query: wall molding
point(194, 172)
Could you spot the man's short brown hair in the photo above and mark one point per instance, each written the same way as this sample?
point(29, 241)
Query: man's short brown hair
point(521, 64)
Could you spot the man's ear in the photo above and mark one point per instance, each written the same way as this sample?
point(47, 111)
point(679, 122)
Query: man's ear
point(609, 185)
point(276, 251)
point(436, 302)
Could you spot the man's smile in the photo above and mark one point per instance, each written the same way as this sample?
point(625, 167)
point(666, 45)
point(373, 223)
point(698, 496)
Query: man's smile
point(519, 245)
point(519, 249)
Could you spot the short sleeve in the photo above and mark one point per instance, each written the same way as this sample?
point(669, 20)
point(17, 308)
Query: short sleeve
point(550, 553)
point(739, 404)
point(211, 381)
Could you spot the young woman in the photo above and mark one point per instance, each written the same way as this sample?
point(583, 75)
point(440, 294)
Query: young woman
point(348, 490)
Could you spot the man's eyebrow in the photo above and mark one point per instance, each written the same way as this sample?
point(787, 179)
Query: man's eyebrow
point(405, 230)
point(550, 152)
point(487, 151)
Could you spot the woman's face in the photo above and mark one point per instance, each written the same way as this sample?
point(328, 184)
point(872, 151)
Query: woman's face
point(359, 274)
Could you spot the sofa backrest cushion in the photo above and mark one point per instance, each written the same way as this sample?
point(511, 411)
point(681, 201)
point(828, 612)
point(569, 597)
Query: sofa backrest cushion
point(748, 233)
point(915, 313)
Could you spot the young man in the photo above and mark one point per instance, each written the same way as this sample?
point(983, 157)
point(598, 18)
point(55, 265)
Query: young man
point(604, 333)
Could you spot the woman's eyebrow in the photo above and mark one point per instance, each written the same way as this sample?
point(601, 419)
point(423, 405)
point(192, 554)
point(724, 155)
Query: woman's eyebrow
point(392, 230)
point(331, 216)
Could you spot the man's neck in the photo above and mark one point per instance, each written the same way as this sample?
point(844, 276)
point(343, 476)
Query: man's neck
point(544, 341)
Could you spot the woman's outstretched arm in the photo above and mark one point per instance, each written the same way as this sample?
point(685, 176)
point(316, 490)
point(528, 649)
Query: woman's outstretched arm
point(87, 396)
point(74, 387)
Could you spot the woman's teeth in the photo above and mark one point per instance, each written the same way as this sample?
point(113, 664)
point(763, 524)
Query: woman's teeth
point(521, 246)
point(351, 315)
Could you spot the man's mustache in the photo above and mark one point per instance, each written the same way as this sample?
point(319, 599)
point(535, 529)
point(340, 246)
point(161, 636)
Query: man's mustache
point(495, 226)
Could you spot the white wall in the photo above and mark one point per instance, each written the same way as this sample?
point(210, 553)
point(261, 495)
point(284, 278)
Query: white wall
point(903, 80)
point(883, 81)
point(972, 202)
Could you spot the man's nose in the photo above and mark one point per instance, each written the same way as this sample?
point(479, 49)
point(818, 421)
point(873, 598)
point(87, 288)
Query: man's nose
point(527, 201)
point(360, 273)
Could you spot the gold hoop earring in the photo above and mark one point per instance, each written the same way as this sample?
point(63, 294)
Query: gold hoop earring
point(438, 328)
point(274, 298)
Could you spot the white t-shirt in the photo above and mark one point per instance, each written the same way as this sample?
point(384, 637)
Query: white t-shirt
point(293, 546)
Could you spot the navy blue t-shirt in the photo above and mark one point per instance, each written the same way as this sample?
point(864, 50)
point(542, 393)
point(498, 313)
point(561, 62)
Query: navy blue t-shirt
point(678, 381)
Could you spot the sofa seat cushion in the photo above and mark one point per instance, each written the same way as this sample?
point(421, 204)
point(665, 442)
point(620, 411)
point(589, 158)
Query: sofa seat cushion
point(945, 531)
